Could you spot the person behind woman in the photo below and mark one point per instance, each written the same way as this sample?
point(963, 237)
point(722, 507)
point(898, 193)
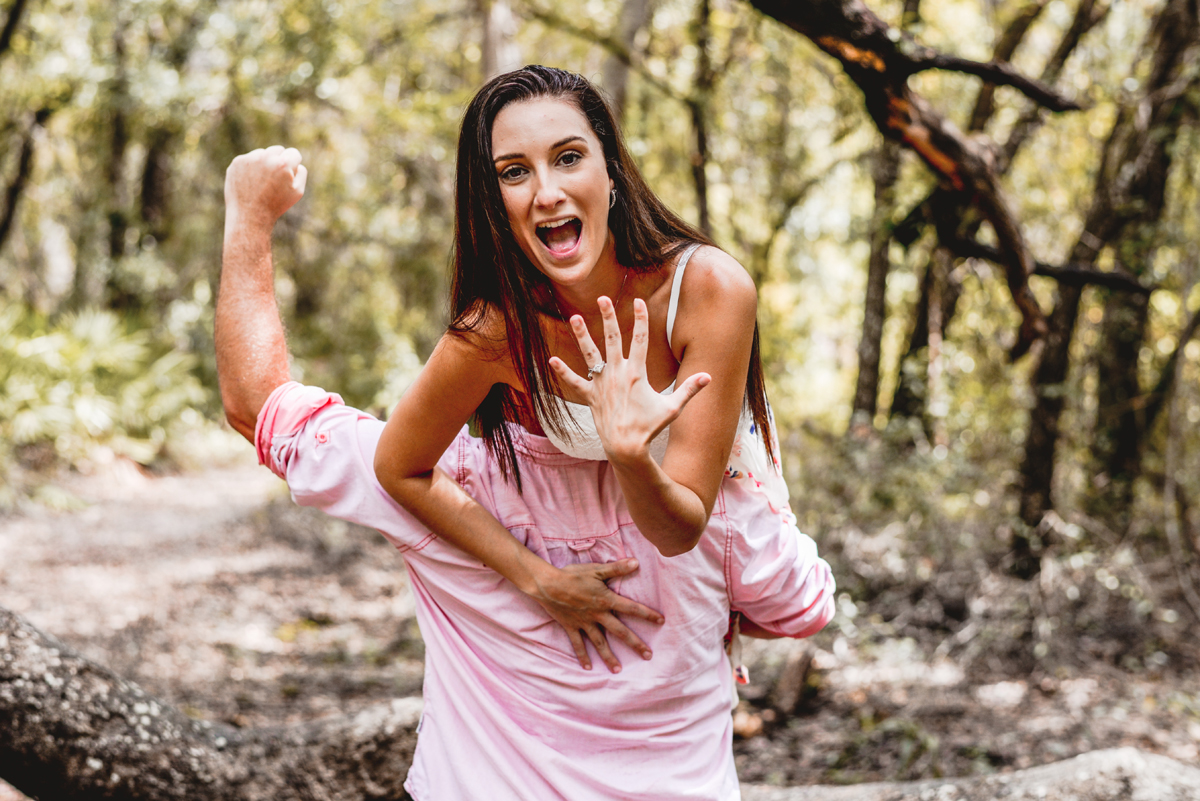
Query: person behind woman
point(575, 482)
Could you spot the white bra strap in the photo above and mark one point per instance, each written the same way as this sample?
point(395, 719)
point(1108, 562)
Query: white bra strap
point(676, 282)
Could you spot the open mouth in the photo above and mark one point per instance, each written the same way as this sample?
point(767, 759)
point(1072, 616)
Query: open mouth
point(560, 236)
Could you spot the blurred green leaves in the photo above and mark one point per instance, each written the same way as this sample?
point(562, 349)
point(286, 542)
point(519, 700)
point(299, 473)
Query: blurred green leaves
point(86, 383)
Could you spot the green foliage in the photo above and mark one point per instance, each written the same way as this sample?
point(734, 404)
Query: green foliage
point(150, 101)
point(85, 383)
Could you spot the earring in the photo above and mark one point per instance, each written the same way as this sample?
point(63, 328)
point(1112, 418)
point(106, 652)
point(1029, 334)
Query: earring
point(612, 197)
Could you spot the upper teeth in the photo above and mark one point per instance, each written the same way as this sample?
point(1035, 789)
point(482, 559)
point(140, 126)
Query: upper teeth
point(555, 224)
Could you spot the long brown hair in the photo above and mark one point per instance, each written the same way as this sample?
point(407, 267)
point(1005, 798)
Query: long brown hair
point(491, 270)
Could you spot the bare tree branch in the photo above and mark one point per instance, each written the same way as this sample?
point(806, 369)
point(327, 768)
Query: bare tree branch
point(1075, 274)
point(880, 59)
point(610, 43)
point(1000, 73)
point(1006, 45)
point(1087, 16)
point(852, 33)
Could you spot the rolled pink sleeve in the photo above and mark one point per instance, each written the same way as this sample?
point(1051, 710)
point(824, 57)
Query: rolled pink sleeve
point(777, 579)
point(325, 451)
point(286, 410)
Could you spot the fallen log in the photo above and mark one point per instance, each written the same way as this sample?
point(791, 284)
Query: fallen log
point(72, 729)
point(1115, 774)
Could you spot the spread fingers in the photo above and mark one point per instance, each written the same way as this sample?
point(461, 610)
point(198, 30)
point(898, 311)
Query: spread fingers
point(591, 354)
point(641, 333)
point(614, 349)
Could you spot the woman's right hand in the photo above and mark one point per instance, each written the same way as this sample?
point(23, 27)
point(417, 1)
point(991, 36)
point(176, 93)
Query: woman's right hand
point(579, 600)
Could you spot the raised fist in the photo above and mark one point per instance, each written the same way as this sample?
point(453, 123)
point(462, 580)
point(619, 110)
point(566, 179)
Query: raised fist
point(263, 184)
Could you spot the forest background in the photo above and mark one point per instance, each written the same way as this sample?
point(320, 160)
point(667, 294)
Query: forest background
point(973, 226)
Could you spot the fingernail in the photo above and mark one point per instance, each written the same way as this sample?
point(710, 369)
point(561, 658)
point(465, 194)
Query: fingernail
point(616, 669)
point(633, 563)
point(646, 655)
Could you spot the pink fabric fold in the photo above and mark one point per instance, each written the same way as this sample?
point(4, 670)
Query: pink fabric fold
point(286, 409)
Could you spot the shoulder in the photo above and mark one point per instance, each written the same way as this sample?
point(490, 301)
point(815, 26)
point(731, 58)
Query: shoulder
point(481, 334)
point(716, 283)
point(480, 343)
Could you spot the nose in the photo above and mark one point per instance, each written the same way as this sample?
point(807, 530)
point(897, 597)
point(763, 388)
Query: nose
point(549, 191)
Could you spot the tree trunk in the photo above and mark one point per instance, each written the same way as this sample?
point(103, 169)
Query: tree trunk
point(117, 296)
point(942, 264)
point(500, 51)
point(1131, 174)
point(1120, 423)
point(698, 106)
point(912, 394)
point(10, 25)
point(20, 179)
point(156, 184)
point(1037, 464)
point(75, 730)
point(614, 75)
point(866, 392)
point(118, 146)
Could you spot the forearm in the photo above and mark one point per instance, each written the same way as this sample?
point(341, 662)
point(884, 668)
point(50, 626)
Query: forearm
point(251, 350)
point(252, 358)
point(448, 511)
point(668, 514)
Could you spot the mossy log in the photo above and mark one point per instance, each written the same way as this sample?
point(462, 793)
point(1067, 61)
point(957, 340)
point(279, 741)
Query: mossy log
point(72, 729)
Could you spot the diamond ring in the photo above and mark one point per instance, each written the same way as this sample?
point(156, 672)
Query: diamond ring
point(595, 370)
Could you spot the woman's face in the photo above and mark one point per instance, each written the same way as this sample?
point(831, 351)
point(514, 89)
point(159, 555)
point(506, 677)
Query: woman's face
point(555, 185)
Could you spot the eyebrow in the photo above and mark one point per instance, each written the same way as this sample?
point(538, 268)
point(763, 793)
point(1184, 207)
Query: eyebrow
point(554, 146)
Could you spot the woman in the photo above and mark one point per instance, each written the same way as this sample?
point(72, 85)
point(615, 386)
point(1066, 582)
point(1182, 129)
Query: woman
point(559, 245)
point(558, 242)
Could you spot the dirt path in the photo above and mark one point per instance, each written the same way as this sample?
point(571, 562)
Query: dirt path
point(215, 592)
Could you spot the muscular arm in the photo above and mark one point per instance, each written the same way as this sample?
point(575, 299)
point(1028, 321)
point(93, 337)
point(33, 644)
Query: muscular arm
point(252, 356)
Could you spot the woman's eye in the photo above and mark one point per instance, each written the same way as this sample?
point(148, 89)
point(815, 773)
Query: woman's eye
point(569, 159)
point(512, 173)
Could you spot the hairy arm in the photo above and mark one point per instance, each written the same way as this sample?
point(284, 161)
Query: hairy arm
point(252, 356)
